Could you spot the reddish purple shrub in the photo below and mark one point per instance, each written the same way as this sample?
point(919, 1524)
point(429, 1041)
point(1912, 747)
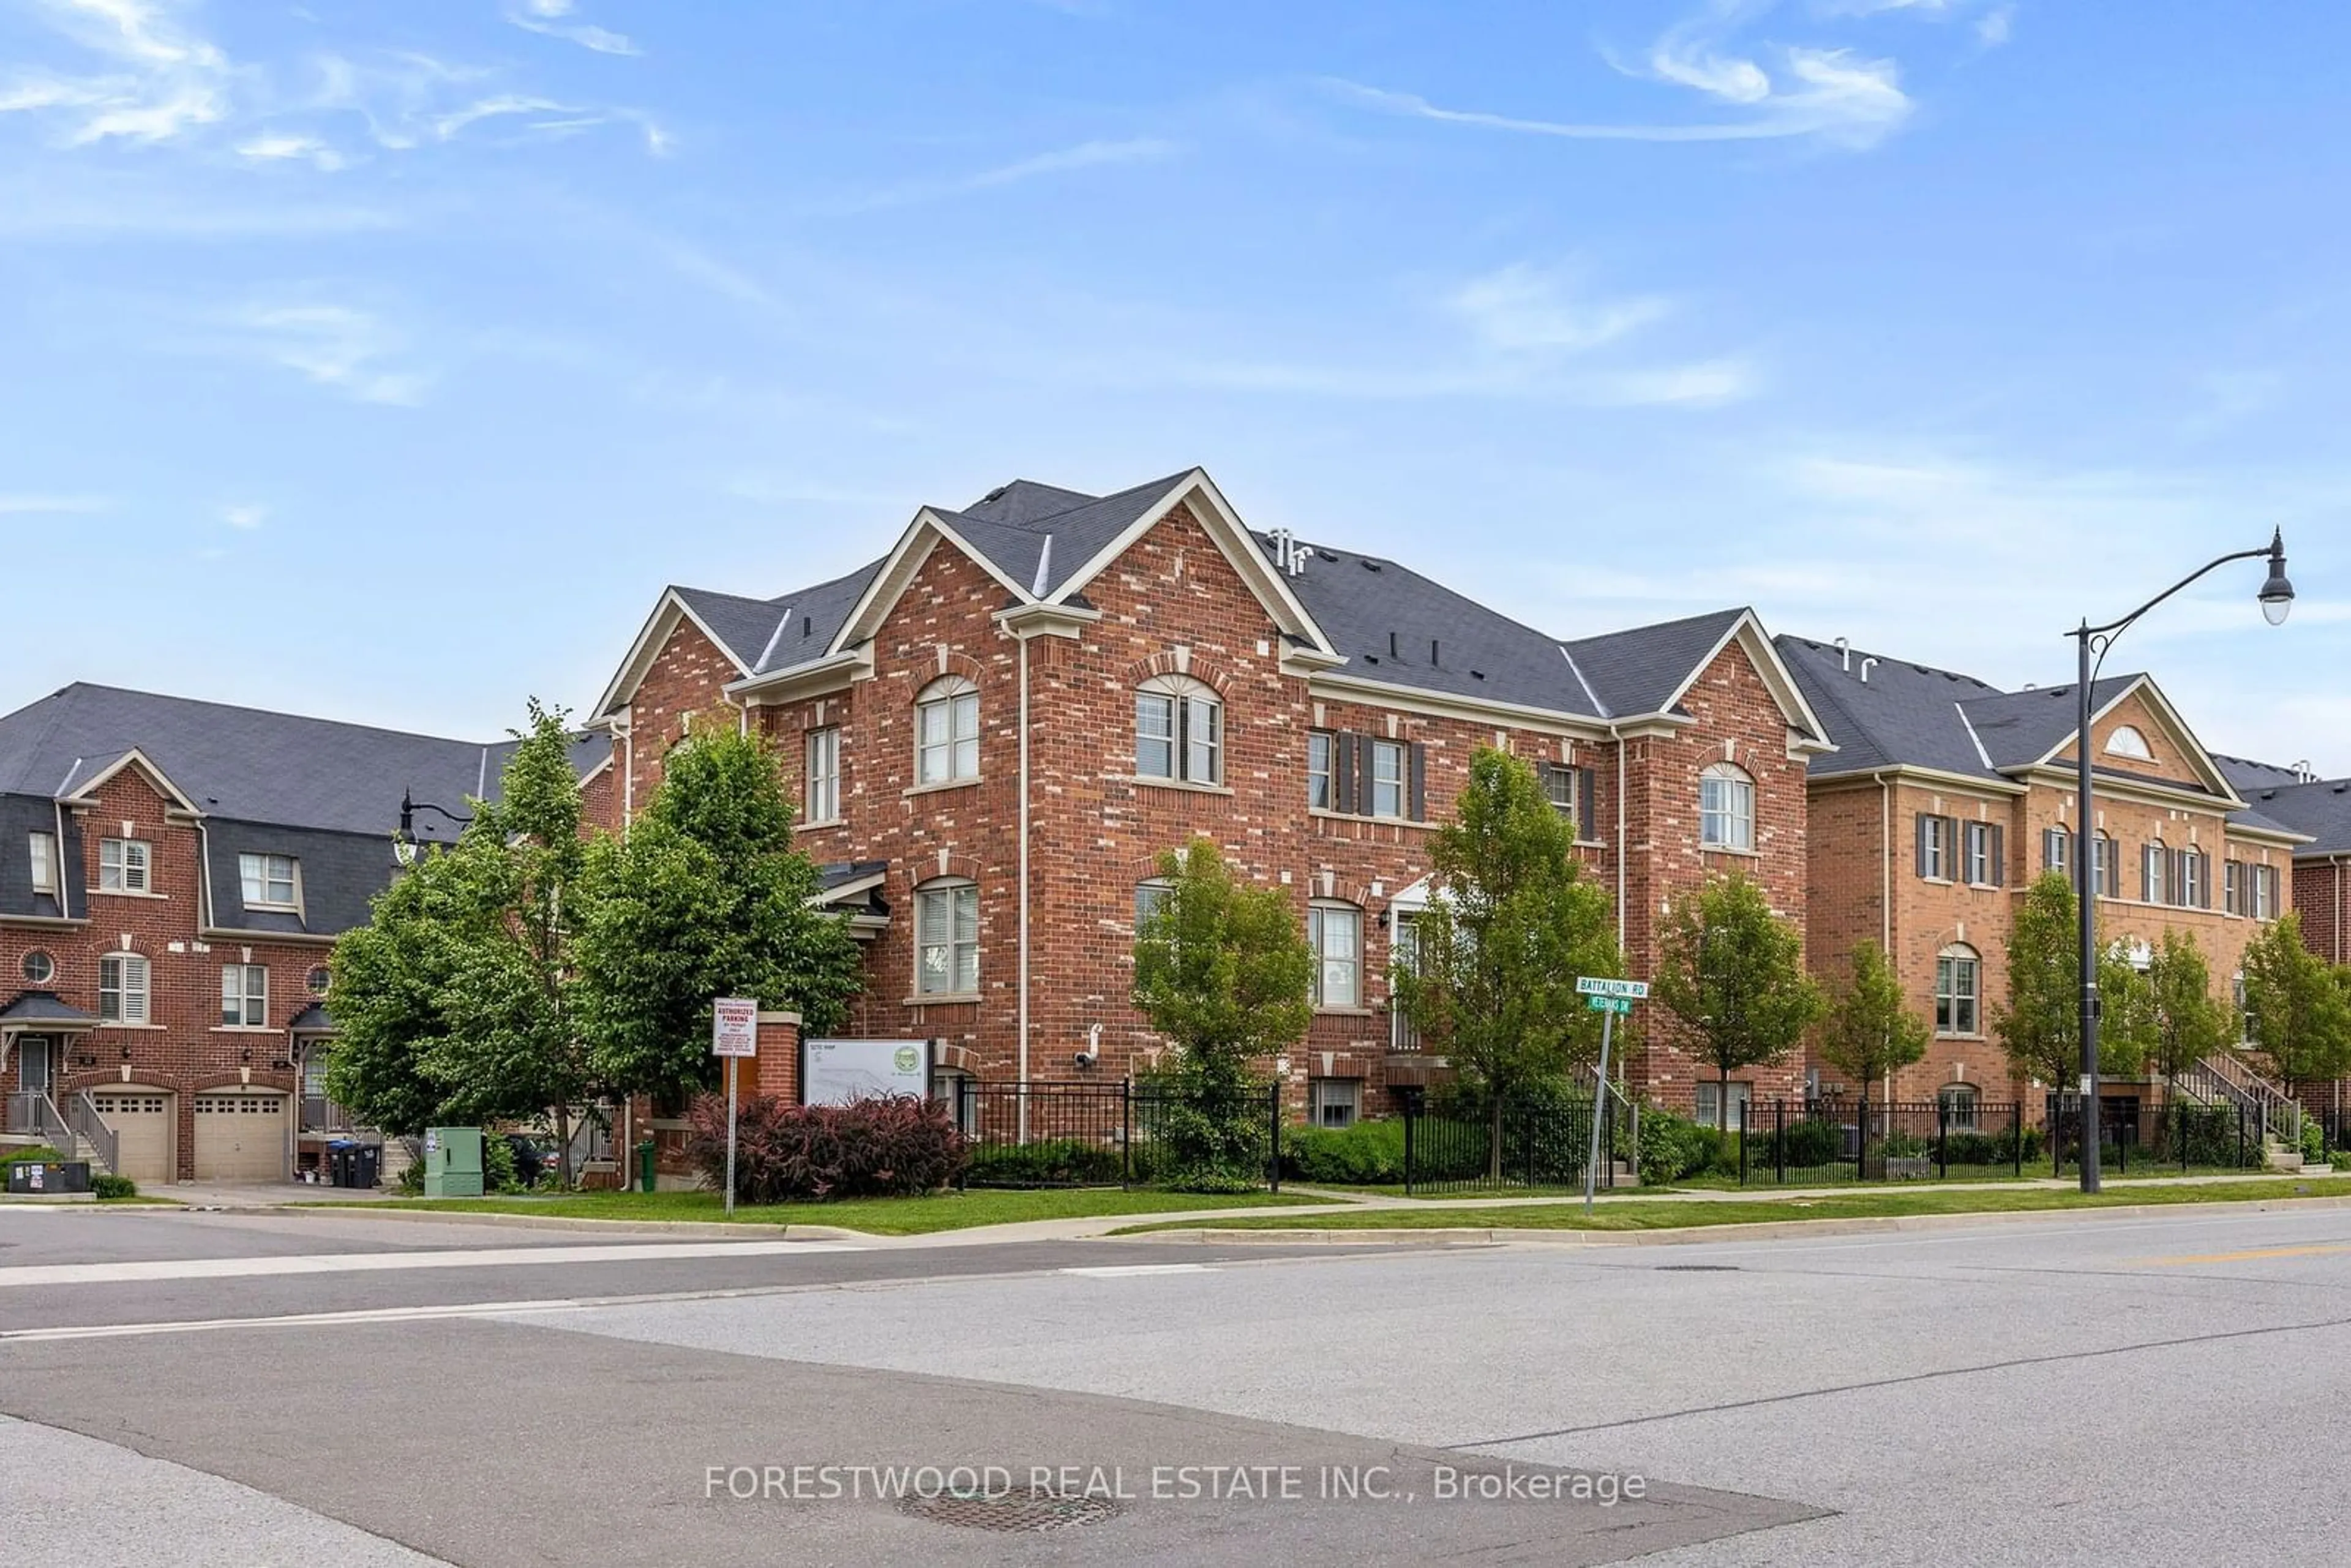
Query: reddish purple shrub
point(894, 1146)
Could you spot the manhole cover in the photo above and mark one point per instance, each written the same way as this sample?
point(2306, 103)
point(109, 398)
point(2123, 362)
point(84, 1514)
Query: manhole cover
point(1698, 1268)
point(1013, 1513)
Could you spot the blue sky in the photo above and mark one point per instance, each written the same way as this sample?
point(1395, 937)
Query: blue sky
point(384, 360)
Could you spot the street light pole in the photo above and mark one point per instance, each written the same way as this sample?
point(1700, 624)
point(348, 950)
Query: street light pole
point(2276, 600)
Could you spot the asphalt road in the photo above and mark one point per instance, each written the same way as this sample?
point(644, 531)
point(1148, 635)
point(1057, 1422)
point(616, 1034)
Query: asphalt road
point(2070, 1391)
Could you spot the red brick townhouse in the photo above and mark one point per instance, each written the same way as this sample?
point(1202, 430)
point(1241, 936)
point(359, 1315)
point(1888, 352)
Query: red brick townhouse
point(2320, 809)
point(997, 727)
point(1946, 797)
point(174, 874)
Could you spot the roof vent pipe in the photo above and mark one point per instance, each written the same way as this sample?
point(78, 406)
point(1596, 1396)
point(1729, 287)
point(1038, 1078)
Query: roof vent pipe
point(1865, 664)
point(1432, 653)
point(1845, 652)
point(1393, 652)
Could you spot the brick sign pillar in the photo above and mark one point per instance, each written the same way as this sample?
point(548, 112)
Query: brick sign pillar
point(775, 1071)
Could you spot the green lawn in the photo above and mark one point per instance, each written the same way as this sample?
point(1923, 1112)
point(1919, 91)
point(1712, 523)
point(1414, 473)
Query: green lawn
point(878, 1216)
point(1667, 1214)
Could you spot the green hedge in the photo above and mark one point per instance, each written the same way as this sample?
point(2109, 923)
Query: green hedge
point(106, 1187)
point(1369, 1154)
point(1054, 1162)
point(39, 1154)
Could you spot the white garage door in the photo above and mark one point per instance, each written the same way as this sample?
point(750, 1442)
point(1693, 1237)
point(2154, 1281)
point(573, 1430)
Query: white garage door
point(240, 1136)
point(141, 1120)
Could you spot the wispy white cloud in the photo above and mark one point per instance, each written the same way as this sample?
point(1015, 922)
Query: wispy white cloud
point(278, 147)
point(1755, 92)
point(245, 518)
point(1523, 307)
point(1066, 160)
point(156, 79)
point(50, 506)
point(350, 350)
point(551, 19)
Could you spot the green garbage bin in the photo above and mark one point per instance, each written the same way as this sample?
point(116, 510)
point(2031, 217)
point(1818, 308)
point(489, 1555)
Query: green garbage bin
point(452, 1162)
point(645, 1165)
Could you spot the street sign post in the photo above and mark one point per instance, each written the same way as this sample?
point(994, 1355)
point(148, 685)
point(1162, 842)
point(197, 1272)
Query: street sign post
point(733, 1035)
point(1607, 998)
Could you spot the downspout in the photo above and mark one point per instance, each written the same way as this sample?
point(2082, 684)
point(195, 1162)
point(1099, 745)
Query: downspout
point(1023, 999)
point(1885, 865)
point(1616, 734)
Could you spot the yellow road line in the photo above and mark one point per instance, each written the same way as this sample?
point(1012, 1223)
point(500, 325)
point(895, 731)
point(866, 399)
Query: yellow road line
point(2246, 1257)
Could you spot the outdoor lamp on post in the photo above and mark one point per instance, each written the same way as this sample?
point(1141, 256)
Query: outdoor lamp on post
point(2276, 601)
point(404, 841)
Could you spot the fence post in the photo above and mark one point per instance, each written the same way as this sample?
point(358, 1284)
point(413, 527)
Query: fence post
point(1411, 1115)
point(1744, 1106)
point(2240, 1135)
point(1943, 1135)
point(1126, 1131)
point(2122, 1146)
point(1273, 1158)
point(1780, 1142)
point(2016, 1133)
point(1861, 1137)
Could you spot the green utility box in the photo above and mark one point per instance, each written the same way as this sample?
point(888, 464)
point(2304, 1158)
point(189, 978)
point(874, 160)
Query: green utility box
point(452, 1162)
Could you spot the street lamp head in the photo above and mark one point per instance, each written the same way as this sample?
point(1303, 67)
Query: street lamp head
point(2277, 593)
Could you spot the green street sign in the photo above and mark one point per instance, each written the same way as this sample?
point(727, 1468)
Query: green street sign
point(1610, 1004)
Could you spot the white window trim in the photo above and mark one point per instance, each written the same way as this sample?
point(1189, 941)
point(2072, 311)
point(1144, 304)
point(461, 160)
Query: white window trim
point(1403, 781)
point(1955, 955)
point(245, 997)
point(952, 696)
point(43, 850)
point(1328, 773)
point(122, 866)
point(292, 904)
point(124, 965)
point(1742, 794)
point(933, 895)
point(828, 739)
point(1317, 917)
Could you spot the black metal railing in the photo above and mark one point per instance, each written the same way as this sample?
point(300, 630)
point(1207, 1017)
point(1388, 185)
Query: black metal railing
point(1121, 1133)
point(1526, 1147)
point(1821, 1142)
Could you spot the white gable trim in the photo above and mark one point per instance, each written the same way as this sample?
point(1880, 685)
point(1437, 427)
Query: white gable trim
point(1747, 633)
point(134, 757)
point(1232, 539)
point(671, 608)
point(897, 570)
point(2200, 760)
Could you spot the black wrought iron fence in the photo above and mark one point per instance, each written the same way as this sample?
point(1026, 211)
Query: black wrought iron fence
point(1821, 1142)
point(1528, 1146)
point(1120, 1133)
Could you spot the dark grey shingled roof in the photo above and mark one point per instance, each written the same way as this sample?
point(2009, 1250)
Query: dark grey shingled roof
point(43, 1007)
point(2249, 775)
point(2019, 728)
point(268, 783)
point(1382, 617)
point(2321, 808)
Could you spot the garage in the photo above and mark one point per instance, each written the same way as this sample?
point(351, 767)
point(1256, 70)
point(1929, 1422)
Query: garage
point(141, 1120)
point(240, 1136)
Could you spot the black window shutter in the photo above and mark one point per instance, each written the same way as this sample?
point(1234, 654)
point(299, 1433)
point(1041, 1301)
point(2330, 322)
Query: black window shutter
point(1417, 761)
point(1585, 807)
point(1363, 779)
point(2175, 884)
point(1953, 851)
point(1923, 820)
point(1999, 877)
point(1342, 772)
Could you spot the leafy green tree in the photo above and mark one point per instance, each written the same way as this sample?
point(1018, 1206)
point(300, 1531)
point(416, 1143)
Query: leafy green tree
point(454, 1002)
point(2165, 1015)
point(391, 976)
point(1869, 1028)
point(1223, 969)
point(1731, 974)
point(2296, 1006)
point(2038, 1026)
point(706, 897)
point(1488, 978)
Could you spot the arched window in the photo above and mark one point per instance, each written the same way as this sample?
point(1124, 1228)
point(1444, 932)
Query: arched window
point(1958, 990)
point(122, 988)
point(1335, 931)
point(2195, 880)
point(1726, 807)
point(946, 731)
point(946, 938)
point(2154, 873)
point(2105, 866)
point(1959, 1103)
point(2127, 741)
point(1179, 730)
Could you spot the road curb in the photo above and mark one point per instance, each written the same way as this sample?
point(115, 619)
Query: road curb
point(1683, 1236)
point(747, 1229)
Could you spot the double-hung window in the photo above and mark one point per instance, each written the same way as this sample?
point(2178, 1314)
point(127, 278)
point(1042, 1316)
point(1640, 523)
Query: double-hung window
point(1981, 843)
point(244, 996)
point(1726, 808)
point(946, 939)
point(45, 863)
point(947, 732)
point(822, 776)
point(1179, 731)
point(1937, 855)
point(122, 988)
point(1335, 932)
point(1318, 793)
point(268, 880)
point(1387, 778)
point(2058, 851)
point(122, 865)
point(1959, 991)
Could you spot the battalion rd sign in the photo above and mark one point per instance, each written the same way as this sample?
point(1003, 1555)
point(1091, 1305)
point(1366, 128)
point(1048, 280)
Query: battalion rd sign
point(1631, 990)
point(735, 1027)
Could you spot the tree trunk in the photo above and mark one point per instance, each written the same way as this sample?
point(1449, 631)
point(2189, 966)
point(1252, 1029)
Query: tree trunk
point(1723, 1100)
point(563, 1145)
point(1494, 1145)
